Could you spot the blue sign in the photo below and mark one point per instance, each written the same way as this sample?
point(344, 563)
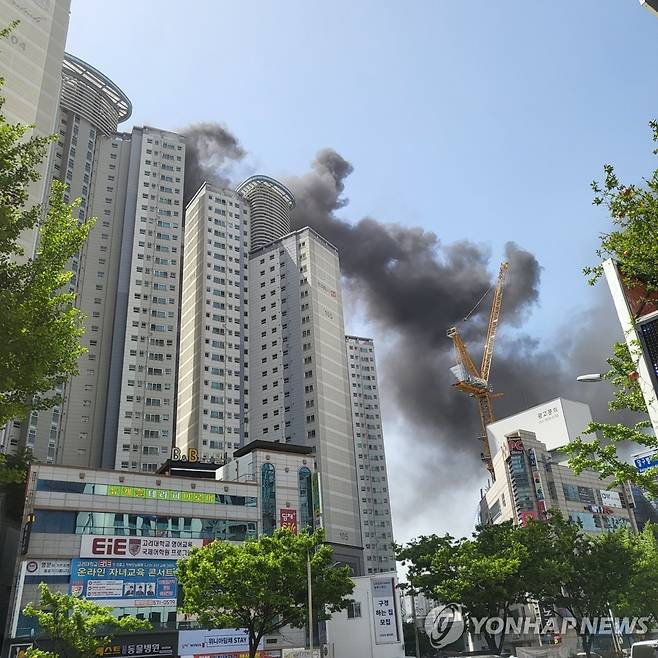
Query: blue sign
point(644, 463)
point(125, 583)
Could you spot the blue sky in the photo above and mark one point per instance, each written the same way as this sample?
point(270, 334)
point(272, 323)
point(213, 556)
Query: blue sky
point(475, 119)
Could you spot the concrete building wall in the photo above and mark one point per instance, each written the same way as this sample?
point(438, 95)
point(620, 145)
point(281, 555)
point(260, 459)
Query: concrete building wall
point(354, 632)
point(91, 160)
point(374, 499)
point(143, 429)
point(214, 345)
point(556, 423)
point(31, 63)
point(298, 381)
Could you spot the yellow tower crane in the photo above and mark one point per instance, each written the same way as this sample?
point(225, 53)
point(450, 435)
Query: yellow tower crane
point(476, 382)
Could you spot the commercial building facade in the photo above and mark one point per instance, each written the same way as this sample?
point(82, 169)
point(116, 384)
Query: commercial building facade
point(77, 518)
point(374, 498)
point(531, 480)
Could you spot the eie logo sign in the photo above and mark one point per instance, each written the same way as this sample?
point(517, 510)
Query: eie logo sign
point(109, 546)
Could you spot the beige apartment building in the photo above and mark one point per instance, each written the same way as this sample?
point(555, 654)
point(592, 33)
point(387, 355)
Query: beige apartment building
point(214, 340)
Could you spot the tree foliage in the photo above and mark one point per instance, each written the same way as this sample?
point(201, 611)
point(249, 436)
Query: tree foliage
point(75, 627)
point(592, 574)
point(13, 476)
point(633, 244)
point(261, 585)
point(487, 575)
point(40, 328)
point(554, 562)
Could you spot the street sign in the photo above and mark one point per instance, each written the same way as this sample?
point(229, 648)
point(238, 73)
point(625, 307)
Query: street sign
point(646, 462)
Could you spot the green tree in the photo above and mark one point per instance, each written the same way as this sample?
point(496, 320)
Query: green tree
point(500, 567)
point(592, 572)
point(633, 244)
point(75, 627)
point(40, 337)
point(261, 585)
point(641, 598)
point(13, 476)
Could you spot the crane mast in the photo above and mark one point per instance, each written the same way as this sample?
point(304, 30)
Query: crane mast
point(476, 382)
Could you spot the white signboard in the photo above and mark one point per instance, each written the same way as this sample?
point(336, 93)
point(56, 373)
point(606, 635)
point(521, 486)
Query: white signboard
point(385, 617)
point(47, 567)
point(611, 499)
point(144, 548)
point(216, 641)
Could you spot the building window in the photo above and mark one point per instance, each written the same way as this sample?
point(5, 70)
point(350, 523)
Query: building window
point(354, 610)
point(268, 498)
point(305, 499)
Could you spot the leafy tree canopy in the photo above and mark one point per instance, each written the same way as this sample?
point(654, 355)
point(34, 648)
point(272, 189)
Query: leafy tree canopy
point(261, 585)
point(633, 244)
point(76, 627)
point(40, 337)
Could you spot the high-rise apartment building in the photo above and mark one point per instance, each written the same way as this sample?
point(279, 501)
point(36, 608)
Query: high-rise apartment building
point(298, 380)
point(214, 343)
point(271, 203)
point(31, 63)
point(374, 499)
point(139, 417)
point(93, 163)
point(119, 411)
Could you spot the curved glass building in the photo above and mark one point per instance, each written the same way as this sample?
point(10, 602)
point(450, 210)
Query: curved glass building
point(271, 203)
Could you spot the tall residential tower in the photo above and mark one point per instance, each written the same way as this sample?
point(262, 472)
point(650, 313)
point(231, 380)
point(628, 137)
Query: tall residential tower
point(374, 499)
point(214, 348)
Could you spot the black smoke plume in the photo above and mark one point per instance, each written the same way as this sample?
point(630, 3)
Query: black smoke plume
point(210, 151)
point(414, 288)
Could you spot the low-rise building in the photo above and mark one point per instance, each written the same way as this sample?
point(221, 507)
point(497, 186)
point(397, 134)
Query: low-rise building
point(531, 479)
point(115, 537)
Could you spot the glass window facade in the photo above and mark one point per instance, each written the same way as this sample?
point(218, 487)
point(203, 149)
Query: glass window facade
point(268, 497)
point(305, 499)
point(141, 525)
point(61, 486)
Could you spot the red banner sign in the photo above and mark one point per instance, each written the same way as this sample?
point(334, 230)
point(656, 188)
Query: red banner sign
point(288, 519)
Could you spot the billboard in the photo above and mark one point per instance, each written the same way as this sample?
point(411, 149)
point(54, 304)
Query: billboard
point(288, 519)
point(385, 614)
point(611, 499)
point(160, 494)
point(215, 642)
point(47, 567)
point(316, 489)
point(143, 548)
point(125, 583)
point(157, 645)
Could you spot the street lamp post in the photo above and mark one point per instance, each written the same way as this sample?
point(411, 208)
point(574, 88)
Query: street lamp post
point(310, 601)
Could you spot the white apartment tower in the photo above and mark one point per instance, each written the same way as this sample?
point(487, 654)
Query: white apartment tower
point(214, 347)
point(31, 64)
point(93, 162)
point(374, 499)
point(119, 411)
point(139, 418)
point(298, 380)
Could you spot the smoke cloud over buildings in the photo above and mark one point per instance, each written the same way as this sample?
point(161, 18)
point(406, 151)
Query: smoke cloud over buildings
point(414, 287)
point(210, 152)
